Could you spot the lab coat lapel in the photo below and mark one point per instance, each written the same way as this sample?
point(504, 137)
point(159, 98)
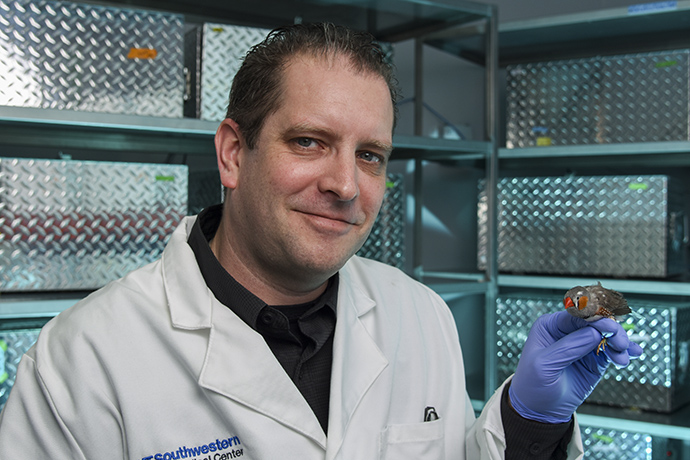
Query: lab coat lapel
point(357, 360)
point(238, 364)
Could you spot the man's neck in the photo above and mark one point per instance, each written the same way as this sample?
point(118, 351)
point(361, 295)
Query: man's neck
point(270, 290)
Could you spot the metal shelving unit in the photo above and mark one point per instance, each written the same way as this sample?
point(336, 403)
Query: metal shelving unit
point(470, 25)
point(661, 26)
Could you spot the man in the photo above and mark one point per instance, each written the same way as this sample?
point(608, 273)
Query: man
point(260, 335)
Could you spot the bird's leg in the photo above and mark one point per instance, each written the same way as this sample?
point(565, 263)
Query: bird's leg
point(602, 345)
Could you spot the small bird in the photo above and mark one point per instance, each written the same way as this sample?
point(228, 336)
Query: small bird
point(593, 302)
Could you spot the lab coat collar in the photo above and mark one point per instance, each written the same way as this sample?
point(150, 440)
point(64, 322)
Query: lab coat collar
point(189, 299)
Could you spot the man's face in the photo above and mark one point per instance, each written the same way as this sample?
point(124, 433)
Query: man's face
point(307, 195)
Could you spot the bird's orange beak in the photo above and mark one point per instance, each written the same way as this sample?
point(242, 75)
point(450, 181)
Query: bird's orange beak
point(568, 302)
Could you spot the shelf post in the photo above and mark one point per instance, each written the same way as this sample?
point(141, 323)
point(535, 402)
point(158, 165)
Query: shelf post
point(491, 72)
point(418, 226)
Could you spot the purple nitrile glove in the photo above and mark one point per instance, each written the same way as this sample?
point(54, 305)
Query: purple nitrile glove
point(559, 366)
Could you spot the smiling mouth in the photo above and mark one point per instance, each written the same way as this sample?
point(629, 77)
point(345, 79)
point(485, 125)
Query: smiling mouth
point(331, 218)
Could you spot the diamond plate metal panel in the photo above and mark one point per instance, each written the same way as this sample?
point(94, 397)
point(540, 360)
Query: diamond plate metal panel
point(659, 380)
point(555, 102)
point(605, 99)
point(13, 345)
point(514, 318)
point(645, 98)
point(223, 48)
point(215, 53)
point(589, 225)
point(64, 55)
point(608, 444)
point(386, 242)
point(78, 225)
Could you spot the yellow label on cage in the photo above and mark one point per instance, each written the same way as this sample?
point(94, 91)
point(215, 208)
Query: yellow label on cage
point(543, 141)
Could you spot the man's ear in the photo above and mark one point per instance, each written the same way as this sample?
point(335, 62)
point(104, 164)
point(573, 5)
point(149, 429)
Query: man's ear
point(229, 146)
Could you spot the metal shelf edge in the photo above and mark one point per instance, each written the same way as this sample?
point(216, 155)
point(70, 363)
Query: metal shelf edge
point(34, 308)
point(458, 289)
point(660, 287)
point(637, 148)
point(115, 122)
point(430, 143)
point(406, 146)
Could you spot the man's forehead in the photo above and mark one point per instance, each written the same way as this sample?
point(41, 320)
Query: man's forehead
point(294, 69)
point(332, 60)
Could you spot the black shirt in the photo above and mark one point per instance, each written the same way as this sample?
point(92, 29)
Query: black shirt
point(300, 336)
point(532, 440)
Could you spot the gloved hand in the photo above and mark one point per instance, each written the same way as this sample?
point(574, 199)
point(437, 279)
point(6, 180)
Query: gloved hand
point(559, 366)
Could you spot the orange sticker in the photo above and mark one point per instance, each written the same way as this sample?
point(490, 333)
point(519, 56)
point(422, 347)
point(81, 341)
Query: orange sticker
point(142, 53)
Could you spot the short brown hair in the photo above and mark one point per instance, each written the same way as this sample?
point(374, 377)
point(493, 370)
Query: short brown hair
point(256, 90)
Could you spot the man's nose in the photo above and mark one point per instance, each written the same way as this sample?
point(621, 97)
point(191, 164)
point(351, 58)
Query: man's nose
point(340, 177)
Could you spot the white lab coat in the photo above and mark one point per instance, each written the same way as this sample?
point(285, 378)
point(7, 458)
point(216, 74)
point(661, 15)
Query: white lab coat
point(154, 367)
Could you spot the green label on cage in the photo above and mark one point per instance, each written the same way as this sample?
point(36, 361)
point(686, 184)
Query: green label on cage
point(165, 178)
point(603, 438)
point(661, 65)
point(628, 327)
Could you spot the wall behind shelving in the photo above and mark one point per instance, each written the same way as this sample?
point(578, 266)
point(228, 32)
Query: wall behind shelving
point(454, 89)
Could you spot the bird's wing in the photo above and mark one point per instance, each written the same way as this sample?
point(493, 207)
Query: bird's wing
point(613, 301)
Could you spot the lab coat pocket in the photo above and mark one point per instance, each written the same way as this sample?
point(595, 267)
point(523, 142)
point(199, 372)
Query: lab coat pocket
point(413, 441)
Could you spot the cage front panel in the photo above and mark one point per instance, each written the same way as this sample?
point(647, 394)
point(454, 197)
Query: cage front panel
point(69, 225)
point(64, 55)
point(640, 97)
point(588, 225)
point(223, 49)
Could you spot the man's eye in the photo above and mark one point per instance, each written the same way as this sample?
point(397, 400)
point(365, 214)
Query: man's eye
point(370, 157)
point(305, 141)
